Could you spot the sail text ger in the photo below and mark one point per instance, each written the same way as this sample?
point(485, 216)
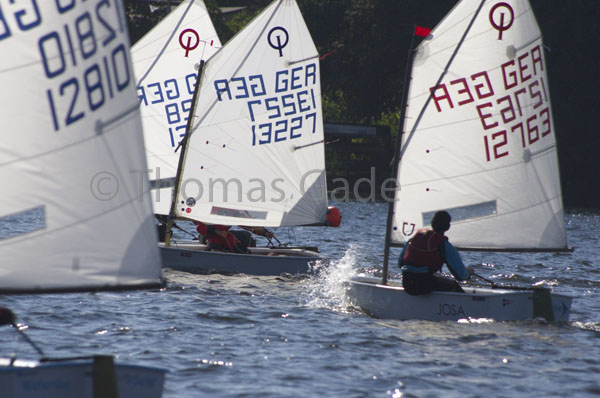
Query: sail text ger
point(510, 102)
point(279, 109)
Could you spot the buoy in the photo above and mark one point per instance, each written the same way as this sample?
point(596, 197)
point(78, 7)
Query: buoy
point(334, 217)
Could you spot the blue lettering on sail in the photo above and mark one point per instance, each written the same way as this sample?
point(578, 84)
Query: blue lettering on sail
point(175, 98)
point(277, 116)
point(26, 16)
point(85, 59)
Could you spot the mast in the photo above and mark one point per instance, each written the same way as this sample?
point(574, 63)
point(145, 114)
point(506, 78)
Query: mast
point(458, 46)
point(398, 152)
point(183, 145)
point(400, 132)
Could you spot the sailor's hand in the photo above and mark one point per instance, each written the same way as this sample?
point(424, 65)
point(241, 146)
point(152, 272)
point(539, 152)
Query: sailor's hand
point(263, 232)
point(471, 270)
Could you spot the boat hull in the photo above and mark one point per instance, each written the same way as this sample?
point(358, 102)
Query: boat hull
point(392, 302)
point(194, 258)
point(74, 379)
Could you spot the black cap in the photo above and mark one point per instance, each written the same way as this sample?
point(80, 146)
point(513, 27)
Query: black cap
point(441, 221)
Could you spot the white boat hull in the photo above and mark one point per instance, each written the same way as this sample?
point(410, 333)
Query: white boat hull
point(263, 261)
point(74, 379)
point(392, 302)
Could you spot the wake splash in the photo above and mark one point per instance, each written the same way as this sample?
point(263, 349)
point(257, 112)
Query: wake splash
point(587, 326)
point(326, 289)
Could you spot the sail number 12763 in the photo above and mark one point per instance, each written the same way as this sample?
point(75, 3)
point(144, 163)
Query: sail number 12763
point(514, 109)
point(529, 131)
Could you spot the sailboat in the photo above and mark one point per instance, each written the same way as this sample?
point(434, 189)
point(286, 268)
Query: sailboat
point(254, 151)
point(73, 218)
point(477, 140)
point(165, 62)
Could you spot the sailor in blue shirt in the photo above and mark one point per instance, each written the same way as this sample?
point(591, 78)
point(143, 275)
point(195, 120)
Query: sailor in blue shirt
point(425, 254)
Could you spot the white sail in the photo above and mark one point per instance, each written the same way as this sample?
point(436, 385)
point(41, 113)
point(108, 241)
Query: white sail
point(73, 216)
point(165, 61)
point(256, 155)
point(483, 147)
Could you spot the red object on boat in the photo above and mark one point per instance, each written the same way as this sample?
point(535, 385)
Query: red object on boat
point(334, 217)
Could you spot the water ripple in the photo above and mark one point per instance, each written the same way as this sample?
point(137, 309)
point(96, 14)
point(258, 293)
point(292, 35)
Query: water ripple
point(243, 336)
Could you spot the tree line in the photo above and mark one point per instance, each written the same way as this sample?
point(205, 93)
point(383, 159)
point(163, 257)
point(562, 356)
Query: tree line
point(367, 42)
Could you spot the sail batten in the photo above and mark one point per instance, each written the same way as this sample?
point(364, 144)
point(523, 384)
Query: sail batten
point(481, 132)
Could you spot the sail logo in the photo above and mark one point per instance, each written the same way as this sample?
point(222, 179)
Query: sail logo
point(408, 229)
point(277, 33)
point(498, 14)
point(189, 46)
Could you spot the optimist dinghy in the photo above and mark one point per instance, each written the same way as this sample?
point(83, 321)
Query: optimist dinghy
point(477, 140)
point(253, 154)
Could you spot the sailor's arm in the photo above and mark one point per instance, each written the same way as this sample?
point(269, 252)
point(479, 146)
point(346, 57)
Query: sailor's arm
point(261, 231)
point(455, 264)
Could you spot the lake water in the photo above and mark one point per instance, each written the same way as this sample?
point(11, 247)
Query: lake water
point(243, 336)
